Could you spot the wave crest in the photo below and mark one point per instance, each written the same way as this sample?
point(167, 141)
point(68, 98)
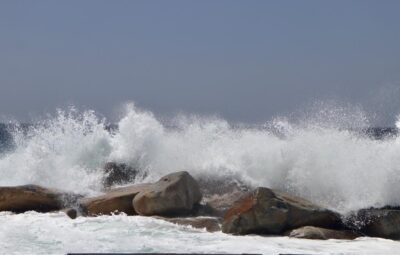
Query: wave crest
point(329, 164)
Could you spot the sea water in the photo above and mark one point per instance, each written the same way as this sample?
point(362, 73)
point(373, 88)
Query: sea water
point(55, 233)
point(325, 157)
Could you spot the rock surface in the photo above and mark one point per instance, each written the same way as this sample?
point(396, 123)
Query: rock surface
point(210, 186)
point(209, 223)
point(264, 211)
point(309, 232)
point(118, 173)
point(219, 194)
point(217, 205)
point(71, 212)
point(383, 223)
point(33, 198)
point(113, 201)
point(173, 194)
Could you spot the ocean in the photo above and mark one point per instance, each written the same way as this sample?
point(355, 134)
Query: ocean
point(340, 162)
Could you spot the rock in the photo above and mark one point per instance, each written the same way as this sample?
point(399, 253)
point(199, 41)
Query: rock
point(205, 210)
point(118, 173)
point(217, 205)
point(309, 232)
point(33, 198)
point(219, 194)
point(211, 224)
point(264, 211)
point(210, 186)
point(174, 194)
point(113, 201)
point(383, 223)
point(71, 212)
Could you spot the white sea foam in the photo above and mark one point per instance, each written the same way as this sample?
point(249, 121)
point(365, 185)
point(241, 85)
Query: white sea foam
point(34, 233)
point(316, 156)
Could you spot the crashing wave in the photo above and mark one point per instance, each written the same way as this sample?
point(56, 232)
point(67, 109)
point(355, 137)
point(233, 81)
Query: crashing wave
point(328, 162)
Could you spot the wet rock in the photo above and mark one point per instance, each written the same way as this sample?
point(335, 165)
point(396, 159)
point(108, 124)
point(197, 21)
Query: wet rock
point(71, 212)
point(310, 232)
point(174, 194)
point(205, 210)
point(383, 223)
point(220, 186)
point(33, 198)
point(218, 195)
point(117, 200)
point(264, 211)
point(217, 205)
point(209, 223)
point(118, 174)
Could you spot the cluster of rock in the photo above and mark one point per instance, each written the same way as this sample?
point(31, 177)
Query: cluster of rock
point(178, 198)
point(174, 194)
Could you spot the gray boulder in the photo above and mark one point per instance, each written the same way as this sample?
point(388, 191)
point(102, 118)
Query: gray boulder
point(383, 222)
point(174, 194)
point(309, 232)
point(264, 211)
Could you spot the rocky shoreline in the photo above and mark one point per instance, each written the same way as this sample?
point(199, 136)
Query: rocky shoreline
point(180, 199)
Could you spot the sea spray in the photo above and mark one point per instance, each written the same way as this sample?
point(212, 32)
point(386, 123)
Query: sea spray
point(331, 163)
point(64, 151)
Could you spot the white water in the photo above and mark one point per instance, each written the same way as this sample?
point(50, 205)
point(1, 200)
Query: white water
point(315, 157)
point(34, 233)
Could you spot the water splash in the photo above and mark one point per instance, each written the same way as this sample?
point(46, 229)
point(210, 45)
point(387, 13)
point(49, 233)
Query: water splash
point(327, 162)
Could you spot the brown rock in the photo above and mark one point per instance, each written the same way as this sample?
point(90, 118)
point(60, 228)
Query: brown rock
point(174, 194)
point(383, 223)
point(209, 223)
point(265, 211)
point(113, 201)
point(309, 232)
point(32, 197)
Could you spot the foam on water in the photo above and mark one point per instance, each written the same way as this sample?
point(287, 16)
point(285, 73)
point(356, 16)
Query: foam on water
point(317, 156)
point(34, 233)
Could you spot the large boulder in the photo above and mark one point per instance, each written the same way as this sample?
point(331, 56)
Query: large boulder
point(309, 232)
point(33, 198)
point(117, 200)
point(219, 194)
point(210, 224)
point(375, 222)
point(174, 194)
point(264, 211)
point(217, 205)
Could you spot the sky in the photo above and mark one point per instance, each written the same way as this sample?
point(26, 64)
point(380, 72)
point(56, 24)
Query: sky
point(246, 61)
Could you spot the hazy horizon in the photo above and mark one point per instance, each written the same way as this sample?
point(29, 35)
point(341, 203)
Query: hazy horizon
point(246, 61)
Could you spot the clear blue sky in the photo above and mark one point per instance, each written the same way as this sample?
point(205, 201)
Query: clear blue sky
point(244, 60)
